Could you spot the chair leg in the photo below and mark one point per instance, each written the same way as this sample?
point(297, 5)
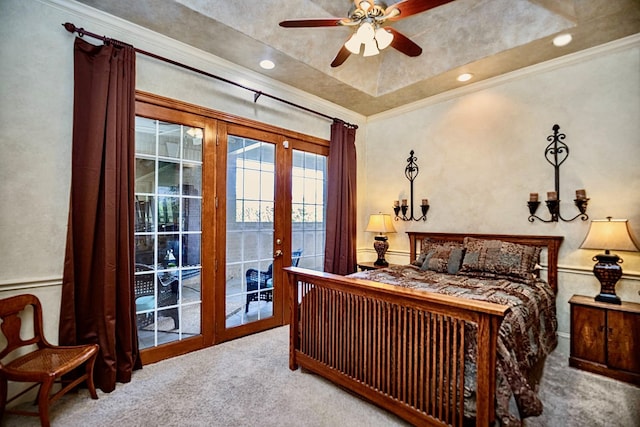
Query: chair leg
point(90, 385)
point(174, 315)
point(43, 402)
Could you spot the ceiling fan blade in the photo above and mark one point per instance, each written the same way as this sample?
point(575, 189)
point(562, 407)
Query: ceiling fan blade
point(302, 23)
point(403, 43)
point(412, 7)
point(342, 56)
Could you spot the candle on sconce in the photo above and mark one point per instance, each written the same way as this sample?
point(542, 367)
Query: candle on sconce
point(404, 202)
point(552, 195)
point(425, 202)
point(533, 197)
point(396, 203)
point(581, 194)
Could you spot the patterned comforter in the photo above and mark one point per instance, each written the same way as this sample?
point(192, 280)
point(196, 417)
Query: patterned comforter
point(527, 333)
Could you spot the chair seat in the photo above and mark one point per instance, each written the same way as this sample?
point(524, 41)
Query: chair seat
point(147, 302)
point(48, 362)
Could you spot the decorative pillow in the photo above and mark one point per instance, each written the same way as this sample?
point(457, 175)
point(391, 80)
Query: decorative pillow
point(498, 259)
point(418, 262)
point(444, 257)
point(426, 245)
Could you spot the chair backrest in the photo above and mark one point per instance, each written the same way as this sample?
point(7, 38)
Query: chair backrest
point(295, 257)
point(144, 282)
point(10, 308)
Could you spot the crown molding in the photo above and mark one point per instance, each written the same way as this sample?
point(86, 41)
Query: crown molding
point(159, 44)
point(615, 46)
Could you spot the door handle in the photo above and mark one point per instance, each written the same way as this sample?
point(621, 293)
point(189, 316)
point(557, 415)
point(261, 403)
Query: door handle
point(278, 253)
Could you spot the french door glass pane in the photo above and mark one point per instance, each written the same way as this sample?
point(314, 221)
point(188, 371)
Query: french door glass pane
point(308, 196)
point(250, 229)
point(168, 230)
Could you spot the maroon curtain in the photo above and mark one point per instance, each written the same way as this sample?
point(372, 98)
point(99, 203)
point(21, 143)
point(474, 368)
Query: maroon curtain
point(340, 244)
point(97, 291)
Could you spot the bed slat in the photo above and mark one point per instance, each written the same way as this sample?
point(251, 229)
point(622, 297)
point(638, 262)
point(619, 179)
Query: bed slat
point(415, 367)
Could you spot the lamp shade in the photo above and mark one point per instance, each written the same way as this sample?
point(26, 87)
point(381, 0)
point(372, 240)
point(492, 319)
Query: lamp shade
point(353, 44)
point(609, 234)
point(383, 37)
point(380, 223)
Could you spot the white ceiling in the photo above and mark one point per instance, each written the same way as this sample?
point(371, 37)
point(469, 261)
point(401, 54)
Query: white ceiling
point(483, 37)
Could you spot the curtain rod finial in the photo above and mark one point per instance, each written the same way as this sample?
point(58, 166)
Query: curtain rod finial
point(69, 27)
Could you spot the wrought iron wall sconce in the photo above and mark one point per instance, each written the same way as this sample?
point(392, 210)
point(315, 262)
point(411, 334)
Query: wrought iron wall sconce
point(411, 172)
point(556, 153)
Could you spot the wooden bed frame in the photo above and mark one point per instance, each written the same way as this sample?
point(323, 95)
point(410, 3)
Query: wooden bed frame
point(369, 338)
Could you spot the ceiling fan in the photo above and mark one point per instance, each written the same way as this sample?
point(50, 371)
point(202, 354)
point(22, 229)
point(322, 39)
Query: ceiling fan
point(368, 19)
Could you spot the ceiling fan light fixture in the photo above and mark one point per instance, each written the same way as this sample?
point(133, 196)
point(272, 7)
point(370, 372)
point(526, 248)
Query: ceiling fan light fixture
point(353, 44)
point(365, 32)
point(370, 48)
point(383, 37)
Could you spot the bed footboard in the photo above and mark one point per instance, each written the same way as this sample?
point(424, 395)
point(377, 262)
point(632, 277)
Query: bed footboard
point(404, 350)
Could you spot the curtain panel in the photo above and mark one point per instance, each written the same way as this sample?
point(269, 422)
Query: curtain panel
point(340, 244)
point(97, 293)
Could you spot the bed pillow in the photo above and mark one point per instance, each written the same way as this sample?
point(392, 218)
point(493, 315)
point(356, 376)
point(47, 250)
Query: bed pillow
point(420, 260)
point(498, 259)
point(426, 245)
point(443, 257)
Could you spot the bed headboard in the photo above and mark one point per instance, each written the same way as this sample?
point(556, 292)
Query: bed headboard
point(551, 243)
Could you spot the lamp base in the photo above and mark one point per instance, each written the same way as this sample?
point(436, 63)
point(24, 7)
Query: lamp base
point(381, 245)
point(608, 298)
point(608, 273)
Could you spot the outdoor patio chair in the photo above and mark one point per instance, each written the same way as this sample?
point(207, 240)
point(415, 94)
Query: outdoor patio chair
point(145, 295)
point(263, 281)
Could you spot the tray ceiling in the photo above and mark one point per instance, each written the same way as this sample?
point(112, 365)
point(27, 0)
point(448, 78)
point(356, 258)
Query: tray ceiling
point(484, 37)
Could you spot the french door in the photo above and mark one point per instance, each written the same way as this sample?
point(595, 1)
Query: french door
point(173, 254)
point(275, 192)
point(222, 205)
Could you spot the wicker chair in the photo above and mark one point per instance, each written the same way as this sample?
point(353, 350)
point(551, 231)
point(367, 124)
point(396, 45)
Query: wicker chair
point(262, 280)
point(145, 295)
point(42, 366)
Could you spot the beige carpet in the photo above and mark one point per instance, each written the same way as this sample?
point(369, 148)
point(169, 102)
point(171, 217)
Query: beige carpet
point(247, 382)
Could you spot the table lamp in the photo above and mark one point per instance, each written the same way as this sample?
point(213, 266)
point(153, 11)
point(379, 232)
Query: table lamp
point(608, 234)
point(380, 223)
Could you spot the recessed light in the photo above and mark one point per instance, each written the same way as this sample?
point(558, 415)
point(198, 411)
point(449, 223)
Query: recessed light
point(464, 77)
point(562, 40)
point(267, 65)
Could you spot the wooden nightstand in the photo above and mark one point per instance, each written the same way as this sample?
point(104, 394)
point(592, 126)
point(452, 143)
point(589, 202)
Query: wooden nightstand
point(605, 338)
point(364, 266)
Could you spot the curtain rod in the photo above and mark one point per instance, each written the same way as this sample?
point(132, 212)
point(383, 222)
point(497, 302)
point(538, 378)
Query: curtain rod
point(256, 93)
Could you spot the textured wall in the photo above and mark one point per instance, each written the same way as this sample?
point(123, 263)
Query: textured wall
point(481, 152)
point(36, 115)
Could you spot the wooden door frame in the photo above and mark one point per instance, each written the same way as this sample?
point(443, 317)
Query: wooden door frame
point(214, 189)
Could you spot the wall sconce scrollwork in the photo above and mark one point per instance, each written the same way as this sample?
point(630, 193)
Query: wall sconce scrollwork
point(556, 153)
point(411, 172)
